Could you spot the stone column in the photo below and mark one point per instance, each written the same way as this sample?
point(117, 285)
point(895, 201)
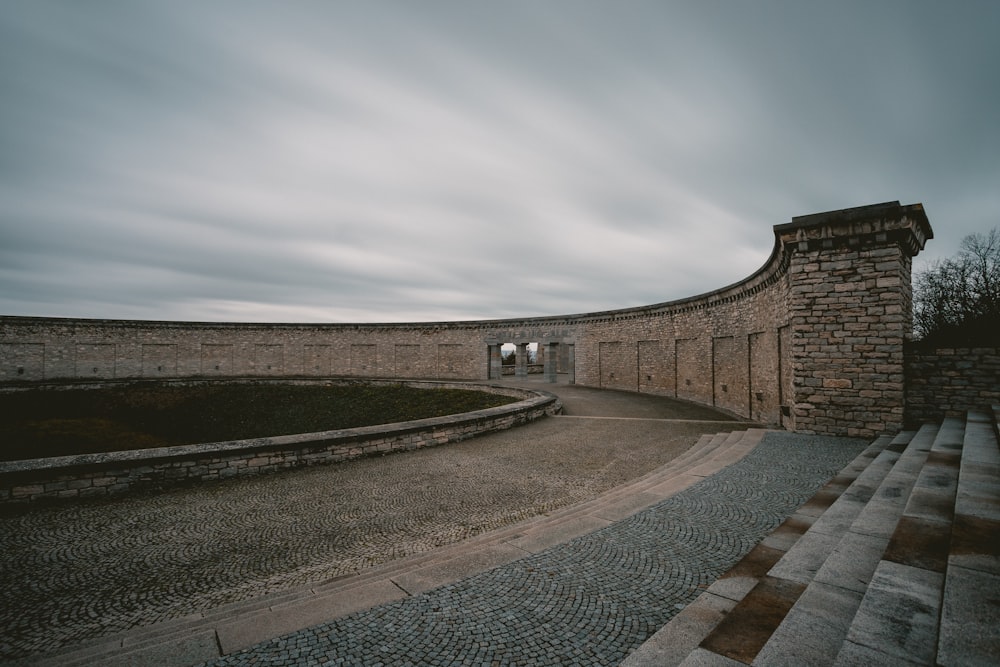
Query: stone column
point(562, 362)
point(521, 361)
point(551, 358)
point(496, 363)
point(570, 363)
point(850, 307)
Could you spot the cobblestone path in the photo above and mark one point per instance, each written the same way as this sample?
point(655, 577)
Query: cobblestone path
point(75, 572)
point(589, 601)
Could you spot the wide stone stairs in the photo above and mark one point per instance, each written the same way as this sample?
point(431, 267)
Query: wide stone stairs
point(896, 561)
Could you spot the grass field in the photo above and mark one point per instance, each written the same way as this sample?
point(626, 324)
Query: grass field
point(47, 422)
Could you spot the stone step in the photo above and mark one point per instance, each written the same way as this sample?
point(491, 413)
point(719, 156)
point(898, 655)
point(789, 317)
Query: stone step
point(804, 558)
point(902, 567)
point(766, 623)
point(898, 617)
point(970, 613)
point(677, 640)
point(741, 625)
point(817, 624)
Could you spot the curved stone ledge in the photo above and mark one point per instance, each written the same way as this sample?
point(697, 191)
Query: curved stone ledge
point(107, 473)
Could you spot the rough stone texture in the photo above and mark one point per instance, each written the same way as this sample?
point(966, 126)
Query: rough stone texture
point(946, 382)
point(813, 341)
point(851, 313)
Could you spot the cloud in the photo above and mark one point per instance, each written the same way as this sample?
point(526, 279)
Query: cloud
point(392, 162)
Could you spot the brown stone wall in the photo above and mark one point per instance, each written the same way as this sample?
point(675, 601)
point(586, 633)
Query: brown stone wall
point(48, 349)
point(943, 382)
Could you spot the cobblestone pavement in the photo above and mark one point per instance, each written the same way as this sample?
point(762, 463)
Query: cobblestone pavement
point(591, 600)
point(75, 572)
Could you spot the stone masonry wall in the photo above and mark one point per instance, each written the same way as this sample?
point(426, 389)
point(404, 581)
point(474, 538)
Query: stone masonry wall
point(851, 315)
point(813, 341)
point(47, 349)
point(947, 382)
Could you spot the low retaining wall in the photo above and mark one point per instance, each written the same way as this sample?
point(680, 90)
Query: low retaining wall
point(947, 382)
point(107, 473)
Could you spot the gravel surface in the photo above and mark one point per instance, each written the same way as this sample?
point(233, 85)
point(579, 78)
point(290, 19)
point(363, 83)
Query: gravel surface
point(74, 572)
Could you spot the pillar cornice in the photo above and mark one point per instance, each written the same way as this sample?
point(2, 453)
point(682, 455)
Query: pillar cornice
point(864, 226)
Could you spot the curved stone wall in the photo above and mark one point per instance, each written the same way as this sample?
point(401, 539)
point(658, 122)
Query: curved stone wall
point(108, 473)
point(813, 341)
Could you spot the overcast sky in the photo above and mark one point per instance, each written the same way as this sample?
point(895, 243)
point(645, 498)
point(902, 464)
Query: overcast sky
point(376, 161)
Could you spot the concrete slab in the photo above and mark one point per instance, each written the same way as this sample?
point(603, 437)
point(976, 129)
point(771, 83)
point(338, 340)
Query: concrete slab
point(479, 560)
point(756, 563)
point(745, 630)
point(899, 613)
point(627, 507)
point(970, 618)
point(880, 515)
point(742, 577)
point(674, 485)
point(702, 658)
point(733, 588)
point(940, 471)
point(193, 649)
point(678, 638)
point(980, 440)
point(931, 504)
point(852, 655)
point(804, 559)
point(819, 503)
point(853, 562)
point(265, 625)
point(975, 544)
point(839, 517)
point(920, 543)
point(979, 490)
point(814, 628)
point(788, 533)
point(539, 540)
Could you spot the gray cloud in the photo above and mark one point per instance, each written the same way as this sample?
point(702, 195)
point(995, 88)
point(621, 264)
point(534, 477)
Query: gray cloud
point(449, 160)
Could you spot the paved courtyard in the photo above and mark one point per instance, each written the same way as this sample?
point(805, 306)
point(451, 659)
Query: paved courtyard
point(591, 600)
point(76, 572)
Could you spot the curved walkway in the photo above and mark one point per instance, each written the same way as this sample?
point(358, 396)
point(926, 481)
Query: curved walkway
point(266, 546)
point(588, 601)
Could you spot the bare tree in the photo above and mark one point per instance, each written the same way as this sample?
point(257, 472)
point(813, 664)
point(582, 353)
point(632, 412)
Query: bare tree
point(956, 301)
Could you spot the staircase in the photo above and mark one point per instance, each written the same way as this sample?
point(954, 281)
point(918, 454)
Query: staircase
point(895, 562)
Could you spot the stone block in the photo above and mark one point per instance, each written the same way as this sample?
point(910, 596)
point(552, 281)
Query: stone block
point(899, 613)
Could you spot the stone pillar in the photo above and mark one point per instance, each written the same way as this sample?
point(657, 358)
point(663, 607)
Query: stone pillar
point(850, 307)
point(496, 363)
point(563, 358)
point(521, 361)
point(551, 358)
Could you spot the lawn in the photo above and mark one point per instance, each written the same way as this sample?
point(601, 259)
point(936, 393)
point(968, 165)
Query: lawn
point(51, 422)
